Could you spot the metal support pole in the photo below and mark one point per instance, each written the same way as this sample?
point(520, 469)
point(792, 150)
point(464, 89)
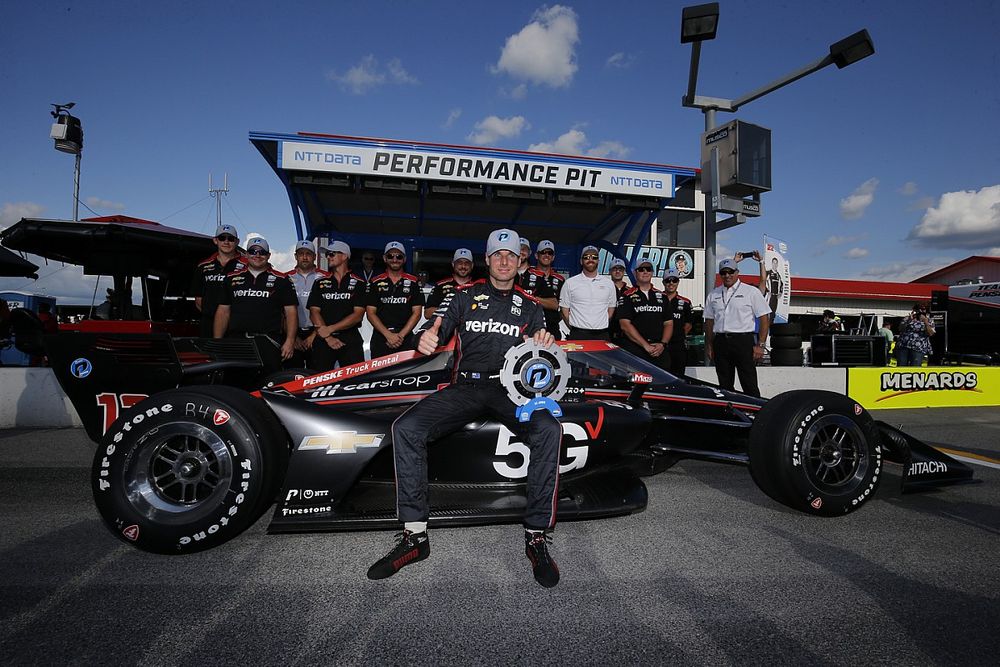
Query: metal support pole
point(76, 190)
point(710, 220)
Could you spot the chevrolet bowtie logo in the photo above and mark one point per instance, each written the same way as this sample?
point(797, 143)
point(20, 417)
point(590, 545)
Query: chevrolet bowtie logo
point(570, 347)
point(342, 442)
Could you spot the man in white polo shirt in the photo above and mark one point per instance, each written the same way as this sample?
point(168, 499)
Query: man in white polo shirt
point(730, 311)
point(588, 300)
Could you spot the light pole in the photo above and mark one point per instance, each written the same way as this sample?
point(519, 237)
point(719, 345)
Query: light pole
point(67, 132)
point(699, 23)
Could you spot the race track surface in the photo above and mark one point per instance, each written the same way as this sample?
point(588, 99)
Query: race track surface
point(713, 572)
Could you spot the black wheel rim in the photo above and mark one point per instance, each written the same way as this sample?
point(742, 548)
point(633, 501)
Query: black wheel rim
point(179, 473)
point(835, 453)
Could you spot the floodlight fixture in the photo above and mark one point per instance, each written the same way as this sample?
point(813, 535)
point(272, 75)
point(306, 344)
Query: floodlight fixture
point(699, 22)
point(851, 49)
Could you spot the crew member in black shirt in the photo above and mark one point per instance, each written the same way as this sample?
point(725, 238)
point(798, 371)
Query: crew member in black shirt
point(545, 253)
point(617, 272)
point(461, 274)
point(489, 317)
point(679, 311)
point(259, 300)
point(646, 325)
point(395, 304)
point(336, 306)
point(206, 285)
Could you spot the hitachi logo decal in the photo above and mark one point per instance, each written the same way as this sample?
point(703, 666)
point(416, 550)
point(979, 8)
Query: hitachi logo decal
point(259, 293)
point(492, 326)
point(928, 467)
point(937, 380)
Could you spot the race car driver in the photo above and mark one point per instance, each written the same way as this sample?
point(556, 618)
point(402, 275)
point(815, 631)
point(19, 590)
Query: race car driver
point(461, 273)
point(489, 316)
point(336, 306)
point(259, 300)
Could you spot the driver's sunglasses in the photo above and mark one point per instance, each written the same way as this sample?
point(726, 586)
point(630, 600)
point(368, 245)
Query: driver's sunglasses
point(395, 257)
point(644, 269)
point(727, 272)
point(673, 280)
point(258, 252)
point(590, 257)
point(546, 252)
point(226, 238)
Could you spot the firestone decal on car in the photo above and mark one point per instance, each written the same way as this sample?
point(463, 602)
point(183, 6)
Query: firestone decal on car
point(223, 521)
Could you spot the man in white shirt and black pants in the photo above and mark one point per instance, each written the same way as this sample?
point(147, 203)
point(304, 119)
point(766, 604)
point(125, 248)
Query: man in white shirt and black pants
point(588, 300)
point(730, 311)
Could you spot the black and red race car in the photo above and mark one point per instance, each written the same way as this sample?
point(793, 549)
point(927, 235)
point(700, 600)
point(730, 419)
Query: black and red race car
point(185, 463)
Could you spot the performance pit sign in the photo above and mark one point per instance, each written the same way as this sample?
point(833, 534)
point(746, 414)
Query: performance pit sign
point(470, 167)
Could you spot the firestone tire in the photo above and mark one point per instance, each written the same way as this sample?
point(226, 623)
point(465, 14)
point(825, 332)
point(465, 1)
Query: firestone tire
point(188, 469)
point(787, 329)
point(816, 451)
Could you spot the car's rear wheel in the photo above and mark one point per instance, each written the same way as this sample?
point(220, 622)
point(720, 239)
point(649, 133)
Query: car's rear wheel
point(816, 451)
point(188, 469)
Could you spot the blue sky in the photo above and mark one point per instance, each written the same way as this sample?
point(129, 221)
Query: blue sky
point(885, 170)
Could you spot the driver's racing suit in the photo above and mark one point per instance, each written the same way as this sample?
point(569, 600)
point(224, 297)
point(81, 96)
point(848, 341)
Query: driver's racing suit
point(488, 322)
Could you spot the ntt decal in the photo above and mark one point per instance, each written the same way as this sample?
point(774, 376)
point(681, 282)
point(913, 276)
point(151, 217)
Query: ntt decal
point(470, 168)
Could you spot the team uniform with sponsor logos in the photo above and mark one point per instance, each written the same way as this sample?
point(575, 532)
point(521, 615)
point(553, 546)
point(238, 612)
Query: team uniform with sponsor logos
point(648, 313)
point(442, 290)
point(394, 302)
point(303, 284)
point(554, 281)
point(487, 322)
point(337, 300)
point(679, 310)
point(257, 306)
point(207, 284)
point(614, 324)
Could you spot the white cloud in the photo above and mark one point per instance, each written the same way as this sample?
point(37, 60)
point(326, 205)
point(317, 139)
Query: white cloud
point(575, 142)
point(494, 128)
point(841, 240)
point(518, 92)
point(909, 189)
point(369, 74)
point(853, 206)
point(905, 271)
point(966, 219)
point(12, 212)
point(453, 115)
point(620, 60)
point(544, 51)
point(610, 149)
point(856, 253)
point(97, 202)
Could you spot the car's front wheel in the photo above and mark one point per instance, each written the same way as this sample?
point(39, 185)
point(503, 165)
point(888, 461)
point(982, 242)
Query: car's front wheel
point(816, 451)
point(188, 469)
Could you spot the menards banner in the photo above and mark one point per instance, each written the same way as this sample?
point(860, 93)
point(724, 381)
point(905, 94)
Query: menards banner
point(559, 174)
point(946, 386)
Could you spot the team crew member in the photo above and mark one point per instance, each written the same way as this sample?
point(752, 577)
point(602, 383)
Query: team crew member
point(523, 256)
point(461, 274)
point(644, 319)
point(394, 305)
point(206, 286)
point(367, 271)
point(546, 255)
point(485, 335)
point(588, 300)
point(679, 311)
point(730, 311)
point(303, 277)
point(618, 279)
point(336, 306)
point(259, 300)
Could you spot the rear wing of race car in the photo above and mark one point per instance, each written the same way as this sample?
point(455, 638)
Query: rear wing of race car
point(106, 373)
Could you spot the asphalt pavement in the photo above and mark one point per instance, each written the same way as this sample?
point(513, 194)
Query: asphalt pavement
point(713, 572)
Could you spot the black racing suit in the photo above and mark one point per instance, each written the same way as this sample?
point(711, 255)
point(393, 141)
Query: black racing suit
point(488, 322)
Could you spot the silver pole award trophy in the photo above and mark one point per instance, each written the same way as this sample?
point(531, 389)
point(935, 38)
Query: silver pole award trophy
point(535, 377)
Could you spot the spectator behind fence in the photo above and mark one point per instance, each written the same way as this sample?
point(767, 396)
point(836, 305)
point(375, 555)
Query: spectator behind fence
point(914, 340)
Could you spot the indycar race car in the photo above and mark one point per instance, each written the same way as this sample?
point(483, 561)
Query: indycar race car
point(183, 467)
